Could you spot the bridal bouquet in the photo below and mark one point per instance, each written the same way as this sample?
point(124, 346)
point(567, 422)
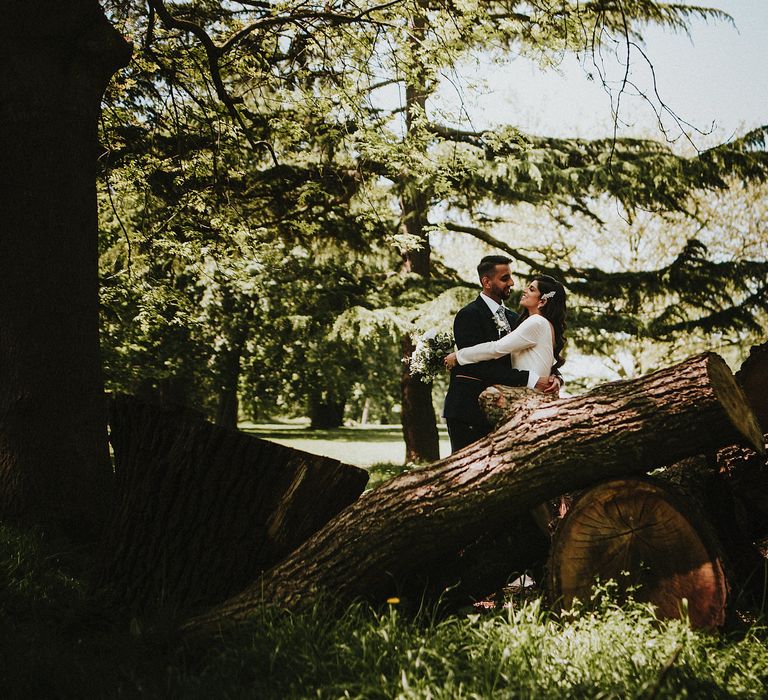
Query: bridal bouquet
point(427, 358)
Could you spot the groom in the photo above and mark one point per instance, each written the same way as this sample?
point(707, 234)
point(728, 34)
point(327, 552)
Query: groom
point(484, 319)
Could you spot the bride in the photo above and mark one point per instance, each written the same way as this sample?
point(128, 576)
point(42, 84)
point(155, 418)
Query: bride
point(539, 337)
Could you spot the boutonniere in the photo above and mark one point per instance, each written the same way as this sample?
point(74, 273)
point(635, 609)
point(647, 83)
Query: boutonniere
point(502, 327)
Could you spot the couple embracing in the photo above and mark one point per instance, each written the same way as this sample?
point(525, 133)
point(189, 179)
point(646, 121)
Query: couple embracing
point(498, 346)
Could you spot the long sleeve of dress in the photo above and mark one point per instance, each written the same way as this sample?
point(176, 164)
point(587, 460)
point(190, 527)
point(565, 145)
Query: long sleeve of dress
point(526, 335)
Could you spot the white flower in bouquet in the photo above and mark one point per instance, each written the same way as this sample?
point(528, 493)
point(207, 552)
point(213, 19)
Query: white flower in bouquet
point(427, 359)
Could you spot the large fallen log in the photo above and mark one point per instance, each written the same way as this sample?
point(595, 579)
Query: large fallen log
point(643, 534)
point(408, 525)
point(693, 533)
point(202, 510)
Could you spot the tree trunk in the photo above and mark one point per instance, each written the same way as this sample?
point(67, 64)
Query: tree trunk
point(422, 441)
point(366, 410)
point(409, 524)
point(643, 535)
point(55, 62)
point(326, 411)
point(202, 510)
point(746, 473)
point(729, 492)
point(236, 323)
point(228, 406)
point(753, 378)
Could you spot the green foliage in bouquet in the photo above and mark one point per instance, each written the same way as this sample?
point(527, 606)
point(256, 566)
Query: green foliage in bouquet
point(426, 362)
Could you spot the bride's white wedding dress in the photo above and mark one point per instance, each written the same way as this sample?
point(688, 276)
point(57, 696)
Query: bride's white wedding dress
point(529, 347)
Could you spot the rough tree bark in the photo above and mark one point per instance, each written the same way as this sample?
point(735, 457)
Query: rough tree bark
point(753, 378)
point(202, 510)
point(742, 472)
point(746, 474)
point(730, 491)
point(55, 61)
point(544, 449)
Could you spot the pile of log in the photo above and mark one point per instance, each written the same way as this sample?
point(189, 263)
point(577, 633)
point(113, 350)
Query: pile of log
point(212, 517)
point(691, 539)
point(420, 526)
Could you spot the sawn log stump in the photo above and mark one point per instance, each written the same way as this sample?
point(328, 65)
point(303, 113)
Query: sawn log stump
point(201, 510)
point(642, 534)
point(715, 513)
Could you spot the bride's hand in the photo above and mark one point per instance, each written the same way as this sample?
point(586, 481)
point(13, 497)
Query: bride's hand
point(451, 361)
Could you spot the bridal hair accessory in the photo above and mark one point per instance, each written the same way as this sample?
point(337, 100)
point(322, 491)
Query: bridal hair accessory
point(548, 295)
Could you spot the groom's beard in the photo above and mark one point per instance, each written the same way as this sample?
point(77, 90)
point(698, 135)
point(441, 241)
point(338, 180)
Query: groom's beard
point(502, 293)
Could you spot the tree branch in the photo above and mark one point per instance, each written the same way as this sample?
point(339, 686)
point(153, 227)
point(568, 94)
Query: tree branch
point(213, 54)
point(333, 18)
point(486, 237)
point(474, 138)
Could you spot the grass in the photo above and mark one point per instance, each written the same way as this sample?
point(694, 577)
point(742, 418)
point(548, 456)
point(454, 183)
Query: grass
point(607, 651)
point(363, 446)
point(60, 641)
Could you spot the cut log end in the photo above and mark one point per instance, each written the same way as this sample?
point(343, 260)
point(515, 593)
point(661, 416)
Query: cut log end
point(638, 533)
point(734, 402)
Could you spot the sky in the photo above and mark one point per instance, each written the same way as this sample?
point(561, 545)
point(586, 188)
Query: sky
point(716, 79)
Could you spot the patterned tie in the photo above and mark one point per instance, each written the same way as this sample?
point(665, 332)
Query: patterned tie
point(503, 323)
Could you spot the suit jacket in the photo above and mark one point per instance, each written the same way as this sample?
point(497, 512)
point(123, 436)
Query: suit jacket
point(475, 324)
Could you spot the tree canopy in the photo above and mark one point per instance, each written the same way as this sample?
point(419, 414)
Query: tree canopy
point(255, 164)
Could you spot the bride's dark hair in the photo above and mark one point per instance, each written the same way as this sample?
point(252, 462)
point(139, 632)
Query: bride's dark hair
point(554, 310)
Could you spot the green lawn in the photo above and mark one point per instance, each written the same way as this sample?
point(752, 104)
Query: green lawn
point(363, 446)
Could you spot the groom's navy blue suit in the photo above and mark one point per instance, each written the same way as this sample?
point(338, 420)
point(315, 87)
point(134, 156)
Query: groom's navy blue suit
point(466, 422)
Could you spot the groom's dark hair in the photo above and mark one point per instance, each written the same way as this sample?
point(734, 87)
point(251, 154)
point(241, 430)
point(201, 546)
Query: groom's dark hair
point(489, 262)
